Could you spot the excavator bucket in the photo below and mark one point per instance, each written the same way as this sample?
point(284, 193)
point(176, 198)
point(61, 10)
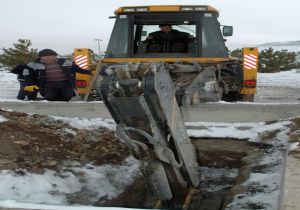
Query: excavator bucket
point(141, 99)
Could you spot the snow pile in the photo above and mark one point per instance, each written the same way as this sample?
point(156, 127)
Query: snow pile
point(280, 79)
point(2, 119)
point(87, 124)
point(251, 131)
point(52, 187)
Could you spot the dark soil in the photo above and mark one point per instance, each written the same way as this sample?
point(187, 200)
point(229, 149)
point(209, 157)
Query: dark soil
point(35, 142)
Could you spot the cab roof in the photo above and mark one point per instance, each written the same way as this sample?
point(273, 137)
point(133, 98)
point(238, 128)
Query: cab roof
point(165, 8)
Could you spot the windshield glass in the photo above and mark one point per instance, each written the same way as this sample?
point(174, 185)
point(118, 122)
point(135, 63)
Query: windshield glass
point(118, 45)
point(167, 35)
point(157, 34)
point(212, 39)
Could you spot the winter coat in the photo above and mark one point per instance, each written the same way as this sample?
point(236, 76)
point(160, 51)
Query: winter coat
point(34, 73)
point(19, 71)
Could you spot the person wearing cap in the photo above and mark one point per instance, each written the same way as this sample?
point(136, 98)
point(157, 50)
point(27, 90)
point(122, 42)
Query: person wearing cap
point(54, 77)
point(168, 40)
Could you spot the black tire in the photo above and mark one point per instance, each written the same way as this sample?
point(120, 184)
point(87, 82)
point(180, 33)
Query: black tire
point(232, 97)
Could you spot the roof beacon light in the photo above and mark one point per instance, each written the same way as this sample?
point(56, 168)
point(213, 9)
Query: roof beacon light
point(142, 9)
point(128, 10)
point(200, 8)
point(187, 8)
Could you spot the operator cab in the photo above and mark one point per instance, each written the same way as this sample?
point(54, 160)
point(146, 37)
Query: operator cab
point(133, 26)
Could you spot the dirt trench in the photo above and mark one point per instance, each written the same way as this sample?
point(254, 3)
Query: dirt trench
point(224, 165)
point(36, 142)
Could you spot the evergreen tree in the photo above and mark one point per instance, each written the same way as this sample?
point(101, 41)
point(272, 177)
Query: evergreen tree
point(237, 53)
point(21, 53)
point(275, 61)
point(270, 60)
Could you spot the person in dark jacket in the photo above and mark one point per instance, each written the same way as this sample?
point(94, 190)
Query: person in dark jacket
point(22, 94)
point(54, 77)
point(168, 40)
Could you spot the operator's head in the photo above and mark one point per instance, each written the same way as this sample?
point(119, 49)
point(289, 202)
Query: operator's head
point(47, 56)
point(165, 27)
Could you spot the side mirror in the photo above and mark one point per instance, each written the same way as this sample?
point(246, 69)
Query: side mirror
point(227, 30)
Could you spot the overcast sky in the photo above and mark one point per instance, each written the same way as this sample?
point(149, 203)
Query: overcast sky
point(67, 24)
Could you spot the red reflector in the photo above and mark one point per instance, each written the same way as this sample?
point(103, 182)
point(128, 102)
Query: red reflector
point(250, 83)
point(81, 83)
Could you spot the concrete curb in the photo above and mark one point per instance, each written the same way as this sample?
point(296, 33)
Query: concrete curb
point(210, 112)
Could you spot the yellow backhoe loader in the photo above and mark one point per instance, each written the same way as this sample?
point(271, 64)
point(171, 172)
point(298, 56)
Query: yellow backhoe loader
point(144, 88)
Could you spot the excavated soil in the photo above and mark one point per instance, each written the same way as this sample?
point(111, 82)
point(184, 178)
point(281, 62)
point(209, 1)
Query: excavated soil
point(35, 142)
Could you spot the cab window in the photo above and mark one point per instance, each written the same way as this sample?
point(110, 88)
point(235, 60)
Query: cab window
point(118, 43)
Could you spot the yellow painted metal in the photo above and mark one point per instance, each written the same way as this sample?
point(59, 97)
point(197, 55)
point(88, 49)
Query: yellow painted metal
point(165, 8)
point(189, 60)
point(85, 77)
point(158, 204)
point(250, 74)
point(248, 90)
point(188, 199)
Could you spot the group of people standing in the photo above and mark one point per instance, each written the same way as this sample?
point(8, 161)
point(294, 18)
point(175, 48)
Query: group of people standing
point(54, 78)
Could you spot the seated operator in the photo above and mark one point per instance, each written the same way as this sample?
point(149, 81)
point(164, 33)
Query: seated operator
point(168, 40)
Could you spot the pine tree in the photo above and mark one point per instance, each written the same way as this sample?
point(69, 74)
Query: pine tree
point(270, 60)
point(21, 53)
point(275, 61)
point(237, 53)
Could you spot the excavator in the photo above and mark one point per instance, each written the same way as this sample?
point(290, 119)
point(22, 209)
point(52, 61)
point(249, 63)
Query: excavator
point(144, 91)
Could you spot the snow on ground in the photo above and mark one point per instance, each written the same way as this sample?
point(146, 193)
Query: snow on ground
point(9, 85)
point(52, 187)
point(87, 124)
point(280, 79)
point(294, 146)
point(2, 119)
point(269, 181)
point(251, 131)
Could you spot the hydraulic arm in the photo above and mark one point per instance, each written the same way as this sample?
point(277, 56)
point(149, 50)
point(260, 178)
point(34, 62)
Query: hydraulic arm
point(141, 99)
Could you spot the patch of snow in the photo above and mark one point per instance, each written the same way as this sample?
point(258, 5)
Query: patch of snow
point(260, 182)
point(264, 188)
point(251, 131)
point(52, 187)
point(280, 79)
point(87, 124)
point(70, 131)
point(20, 187)
point(294, 146)
point(2, 119)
